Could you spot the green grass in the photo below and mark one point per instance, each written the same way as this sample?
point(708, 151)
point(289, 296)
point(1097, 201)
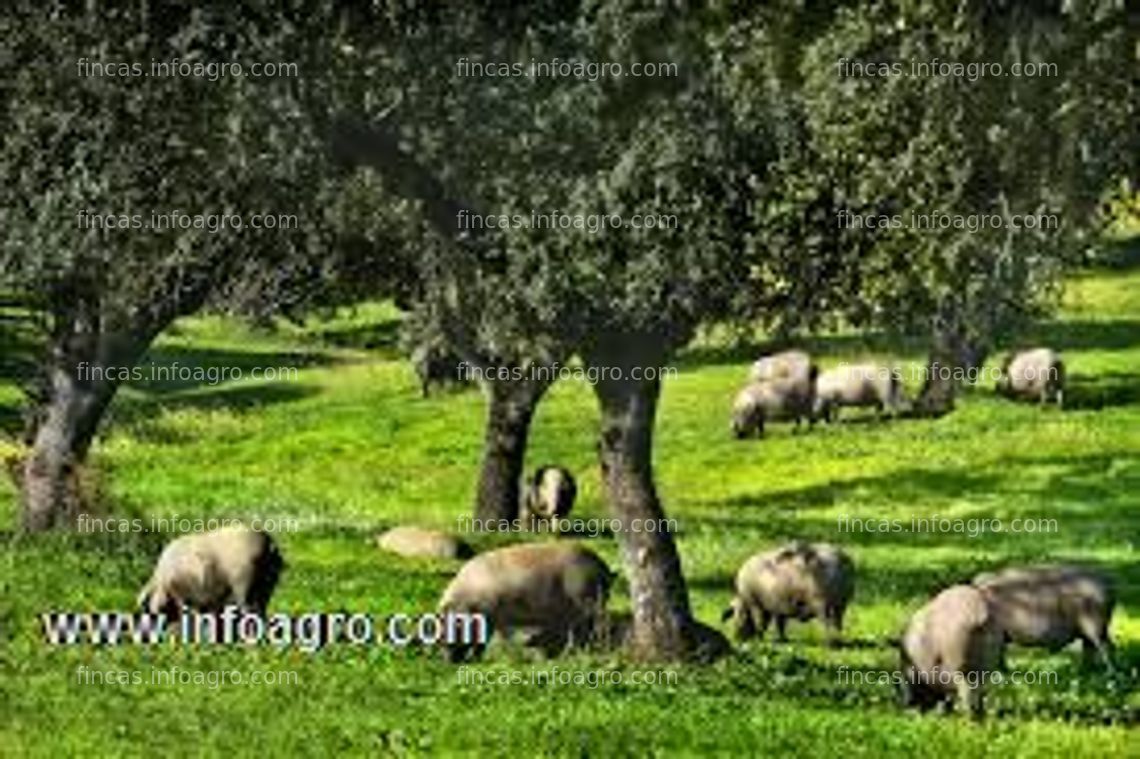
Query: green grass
point(348, 447)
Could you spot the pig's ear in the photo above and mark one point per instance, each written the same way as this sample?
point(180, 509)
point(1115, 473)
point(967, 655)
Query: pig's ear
point(809, 555)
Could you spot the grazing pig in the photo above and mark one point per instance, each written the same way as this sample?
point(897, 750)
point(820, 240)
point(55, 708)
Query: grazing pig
point(548, 497)
point(1037, 374)
point(859, 385)
point(781, 387)
point(556, 593)
point(1051, 606)
point(762, 402)
point(416, 541)
point(951, 646)
point(209, 571)
point(786, 366)
point(797, 581)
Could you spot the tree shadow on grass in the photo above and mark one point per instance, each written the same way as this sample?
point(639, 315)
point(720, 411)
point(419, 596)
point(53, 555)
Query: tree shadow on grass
point(1062, 335)
point(1100, 391)
point(1083, 503)
point(913, 585)
point(237, 398)
point(176, 369)
point(1077, 335)
point(144, 415)
point(1122, 254)
point(17, 351)
point(819, 346)
point(382, 338)
point(903, 485)
point(11, 419)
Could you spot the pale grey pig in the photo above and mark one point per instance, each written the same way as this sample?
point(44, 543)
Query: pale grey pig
point(952, 647)
point(786, 366)
point(799, 581)
point(411, 541)
point(858, 385)
point(762, 402)
point(1051, 606)
point(556, 593)
point(208, 571)
point(1037, 374)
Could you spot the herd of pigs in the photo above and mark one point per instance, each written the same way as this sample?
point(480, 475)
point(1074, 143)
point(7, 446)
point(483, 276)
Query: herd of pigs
point(555, 593)
point(789, 386)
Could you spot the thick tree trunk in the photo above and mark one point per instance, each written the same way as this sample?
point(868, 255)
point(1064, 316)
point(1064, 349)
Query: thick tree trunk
point(51, 485)
point(510, 408)
point(91, 347)
point(78, 384)
point(663, 625)
point(952, 357)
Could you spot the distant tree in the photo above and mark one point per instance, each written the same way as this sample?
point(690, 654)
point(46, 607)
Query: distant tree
point(975, 147)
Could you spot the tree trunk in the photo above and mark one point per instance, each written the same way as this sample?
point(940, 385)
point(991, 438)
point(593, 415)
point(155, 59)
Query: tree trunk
point(510, 408)
point(91, 347)
point(663, 625)
point(951, 357)
point(78, 384)
point(51, 485)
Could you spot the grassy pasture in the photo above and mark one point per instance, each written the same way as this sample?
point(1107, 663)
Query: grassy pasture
point(347, 447)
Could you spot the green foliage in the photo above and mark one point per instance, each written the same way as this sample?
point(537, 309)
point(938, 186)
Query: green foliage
point(80, 144)
point(757, 147)
point(975, 144)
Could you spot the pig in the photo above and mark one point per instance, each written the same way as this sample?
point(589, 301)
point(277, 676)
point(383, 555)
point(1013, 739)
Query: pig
point(556, 593)
point(547, 497)
point(781, 387)
point(951, 647)
point(792, 365)
point(762, 402)
point(798, 581)
point(412, 542)
point(1051, 606)
point(1037, 374)
point(859, 385)
point(209, 571)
